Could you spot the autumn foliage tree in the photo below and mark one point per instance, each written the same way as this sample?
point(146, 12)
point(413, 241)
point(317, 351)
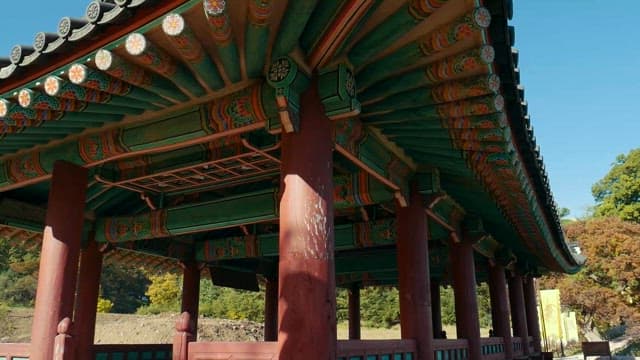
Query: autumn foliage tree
point(607, 291)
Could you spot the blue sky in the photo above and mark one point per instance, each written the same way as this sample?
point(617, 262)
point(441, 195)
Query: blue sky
point(580, 65)
point(579, 62)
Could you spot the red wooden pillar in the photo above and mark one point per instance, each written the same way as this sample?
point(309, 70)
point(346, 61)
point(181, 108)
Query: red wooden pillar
point(436, 309)
point(271, 310)
point(307, 302)
point(533, 324)
point(87, 298)
point(466, 302)
point(413, 276)
point(59, 257)
point(187, 325)
point(500, 307)
point(191, 294)
point(518, 313)
point(354, 312)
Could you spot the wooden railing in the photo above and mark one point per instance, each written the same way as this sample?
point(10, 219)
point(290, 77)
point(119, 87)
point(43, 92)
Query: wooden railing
point(450, 349)
point(14, 351)
point(530, 345)
point(376, 350)
point(492, 348)
point(517, 346)
point(124, 352)
point(267, 350)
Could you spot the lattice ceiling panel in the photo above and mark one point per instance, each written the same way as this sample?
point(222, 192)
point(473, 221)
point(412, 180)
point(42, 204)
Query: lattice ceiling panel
point(242, 167)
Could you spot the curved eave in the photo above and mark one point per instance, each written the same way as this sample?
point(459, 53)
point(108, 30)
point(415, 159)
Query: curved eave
point(523, 138)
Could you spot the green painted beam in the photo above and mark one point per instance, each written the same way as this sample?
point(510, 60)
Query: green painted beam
point(347, 237)
point(491, 121)
point(468, 27)
point(389, 97)
point(58, 87)
point(391, 29)
point(257, 37)
point(358, 142)
point(352, 190)
point(232, 211)
point(378, 260)
point(319, 22)
point(87, 77)
point(21, 215)
point(183, 39)
point(368, 278)
point(197, 124)
point(483, 105)
point(219, 21)
point(292, 26)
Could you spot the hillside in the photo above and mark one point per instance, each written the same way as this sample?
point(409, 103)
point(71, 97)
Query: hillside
point(141, 329)
point(158, 329)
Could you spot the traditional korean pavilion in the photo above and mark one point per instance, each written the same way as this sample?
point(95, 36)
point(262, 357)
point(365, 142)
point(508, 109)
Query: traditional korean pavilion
point(303, 145)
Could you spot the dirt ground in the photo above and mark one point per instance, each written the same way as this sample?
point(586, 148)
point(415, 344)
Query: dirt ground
point(159, 329)
point(142, 329)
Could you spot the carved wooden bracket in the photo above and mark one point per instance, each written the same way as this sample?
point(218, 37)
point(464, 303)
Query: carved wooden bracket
point(289, 82)
point(337, 86)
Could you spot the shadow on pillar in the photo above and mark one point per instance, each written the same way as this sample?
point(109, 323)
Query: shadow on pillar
point(307, 327)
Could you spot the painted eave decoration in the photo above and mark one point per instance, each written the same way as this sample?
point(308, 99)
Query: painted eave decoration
point(416, 88)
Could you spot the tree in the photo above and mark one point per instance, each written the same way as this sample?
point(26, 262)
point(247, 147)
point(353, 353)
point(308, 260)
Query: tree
point(380, 306)
point(104, 305)
point(163, 294)
point(618, 193)
point(124, 286)
point(18, 274)
point(607, 290)
point(164, 290)
point(563, 212)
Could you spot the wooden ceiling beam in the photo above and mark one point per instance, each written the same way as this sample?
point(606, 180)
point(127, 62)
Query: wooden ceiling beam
point(153, 58)
point(91, 78)
point(198, 125)
point(182, 38)
point(222, 35)
point(368, 152)
point(467, 32)
point(347, 237)
point(352, 190)
point(115, 66)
